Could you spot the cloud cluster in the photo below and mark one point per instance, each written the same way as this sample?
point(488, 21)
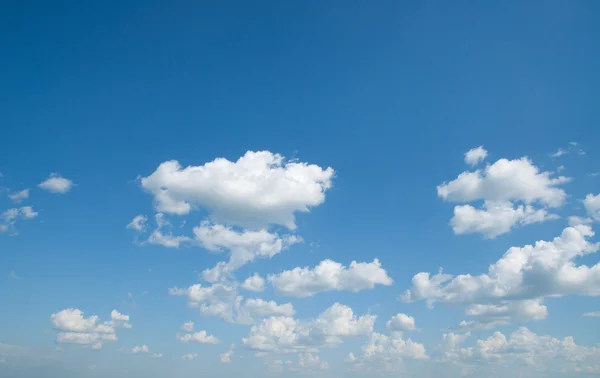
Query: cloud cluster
point(222, 300)
point(286, 334)
point(515, 285)
point(509, 190)
point(9, 217)
point(76, 329)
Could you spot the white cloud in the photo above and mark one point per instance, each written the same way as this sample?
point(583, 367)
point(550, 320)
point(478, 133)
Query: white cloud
point(198, 337)
point(524, 351)
point(475, 155)
point(188, 326)
point(243, 247)
point(330, 276)
point(56, 184)
point(259, 189)
point(574, 220)
point(76, 329)
point(283, 333)
point(267, 308)
point(19, 196)
point(254, 283)
point(515, 285)
point(496, 218)
point(401, 322)
point(138, 223)
point(388, 349)
point(506, 180)
point(140, 349)
point(157, 355)
point(9, 217)
point(592, 206)
point(573, 147)
point(225, 358)
point(592, 314)
point(189, 356)
point(222, 300)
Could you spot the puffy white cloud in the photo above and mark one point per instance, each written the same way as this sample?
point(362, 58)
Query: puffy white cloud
point(198, 337)
point(138, 223)
point(254, 283)
point(515, 284)
point(189, 356)
point(283, 333)
point(496, 218)
point(330, 276)
point(56, 184)
point(267, 308)
point(309, 361)
point(140, 349)
point(157, 355)
point(592, 206)
point(243, 247)
point(259, 189)
point(388, 349)
point(475, 155)
point(19, 196)
point(225, 358)
point(592, 314)
point(401, 322)
point(27, 212)
point(506, 180)
point(188, 326)
point(76, 329)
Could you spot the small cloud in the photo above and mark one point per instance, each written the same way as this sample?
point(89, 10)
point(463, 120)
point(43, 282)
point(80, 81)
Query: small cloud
point(475, 155)
point(13, 275)
point(573, 147)
point(19, 196)
point(594, 174)
point(190, 356)
point(56, 184)
point(594, 314)
point(92, 367)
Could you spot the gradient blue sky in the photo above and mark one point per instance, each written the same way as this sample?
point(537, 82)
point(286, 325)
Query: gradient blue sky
point(391, 95)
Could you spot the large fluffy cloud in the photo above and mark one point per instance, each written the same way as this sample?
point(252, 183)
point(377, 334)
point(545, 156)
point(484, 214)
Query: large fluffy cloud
point(330, 276)
point(259, 189)
point(516, 283)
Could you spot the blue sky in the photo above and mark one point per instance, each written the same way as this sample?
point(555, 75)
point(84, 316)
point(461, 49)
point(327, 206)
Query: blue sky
point(340, 133)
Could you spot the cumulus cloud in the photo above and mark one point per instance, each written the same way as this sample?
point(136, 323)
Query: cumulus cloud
point(56, 184)
point(496, 218)
point(592, 206)
point(388, 349)
point(475, 155)
point(330, 276)
point(284, 333)
point(198, 337)
point(259, 189)
point(243, 247)
point(76, 329)
point(254, 283)
point(19, 196)
point(222, 300)
point(401, 322)
point(514, 193)
point(517, 282)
